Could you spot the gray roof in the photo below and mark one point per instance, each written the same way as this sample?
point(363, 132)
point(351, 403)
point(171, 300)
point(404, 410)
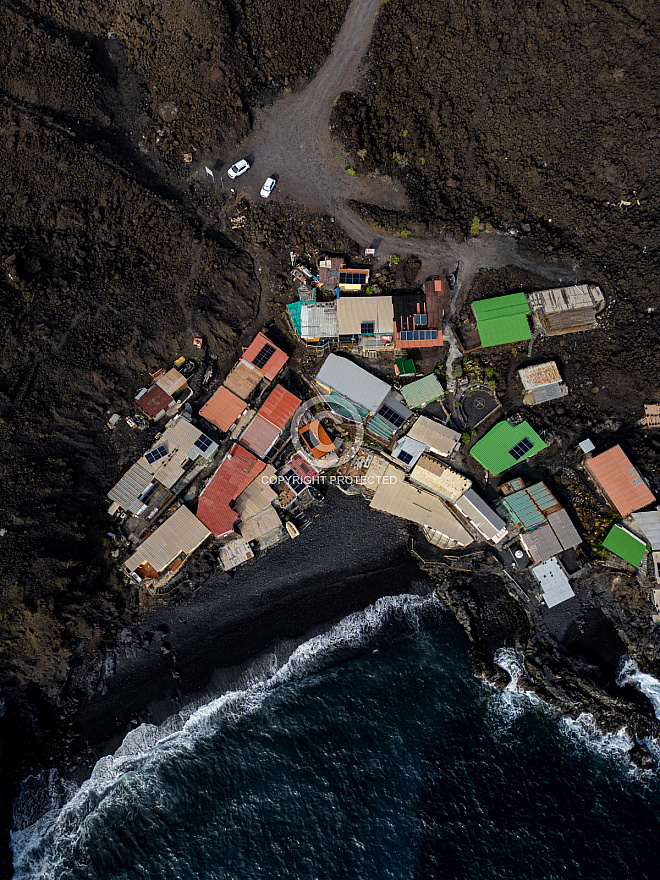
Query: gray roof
point(649, 523)
point(415, 448)
point(482, 517)
point(554, 583)
point(318, 320)
point(351, 381)
point(541, 543)
point(564, 529)
point(548, 392)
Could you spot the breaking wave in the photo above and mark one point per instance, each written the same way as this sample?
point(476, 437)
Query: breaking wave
point(49, 818)
point(630, 674)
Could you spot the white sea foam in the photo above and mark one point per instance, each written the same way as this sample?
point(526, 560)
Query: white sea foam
point(585, 731)
point(511, 701)
point(630, 673)
point(40, 838)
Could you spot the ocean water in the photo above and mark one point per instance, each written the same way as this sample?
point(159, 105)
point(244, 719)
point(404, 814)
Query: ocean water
point(371, 752)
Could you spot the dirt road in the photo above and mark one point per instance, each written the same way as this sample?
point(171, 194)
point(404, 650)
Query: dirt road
point(291, 140)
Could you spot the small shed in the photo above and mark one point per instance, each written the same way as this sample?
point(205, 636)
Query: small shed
point(223, 409)
point(438, 438)
point(404, 367)
point(423, 391)
point(155, 402)
point(542, 383)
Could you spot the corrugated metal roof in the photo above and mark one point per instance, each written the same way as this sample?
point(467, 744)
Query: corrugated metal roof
point(275, 361)
point(319, 321)
point(620, 481)
point(564, 529)
point(539, 375)
point(554, 583)
point(260, 436)
point(243, 379)
point(548, 392)
point(649, 523)
point(481, 516)
point(279, 406)
point(127, 491)
point(494, 453)
point(351, 381)
point(422, 391)
point(260, 524)
point(179, 535)
point(531, 506)
point(624, 544)
point(541, 543)
point(396, 497)
point(223, 409)
point(258, 496)
point(353, 311)
point(440, 479)
point(172, 381)
point(234, 475)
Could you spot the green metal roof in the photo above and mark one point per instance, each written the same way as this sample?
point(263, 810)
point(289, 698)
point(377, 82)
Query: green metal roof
point(494, 450)
point(624, 544)
point(497, 306)
point(423, 391)
point(405, 366)
point(295, 310)
point(531, 506)
point(502, 319)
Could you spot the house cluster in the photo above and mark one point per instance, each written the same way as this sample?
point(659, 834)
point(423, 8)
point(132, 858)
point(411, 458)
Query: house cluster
point(516, 316)
point(407, 471)
point(351, 314)
point(241, 501)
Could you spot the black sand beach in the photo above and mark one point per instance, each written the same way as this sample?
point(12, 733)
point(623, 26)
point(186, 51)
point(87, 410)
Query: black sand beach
point(349, 557)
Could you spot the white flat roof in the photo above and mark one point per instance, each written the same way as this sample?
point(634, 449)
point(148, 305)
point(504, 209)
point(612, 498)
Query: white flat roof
point(554, 583)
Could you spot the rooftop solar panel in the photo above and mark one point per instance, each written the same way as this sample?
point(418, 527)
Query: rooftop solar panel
point(521, 448)
point(264, 356)
point(156, 454)
point(394, 418)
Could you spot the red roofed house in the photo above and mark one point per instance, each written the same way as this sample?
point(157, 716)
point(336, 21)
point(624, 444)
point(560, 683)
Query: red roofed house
point(155, 402)
point(265, 356)
point(223, 409)
point(279, 406)
point(235, 474)
point(276, 412)
point(620, 481)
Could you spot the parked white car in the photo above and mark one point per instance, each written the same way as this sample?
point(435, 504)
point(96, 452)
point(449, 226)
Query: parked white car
point(239, 168)
point(268, 187)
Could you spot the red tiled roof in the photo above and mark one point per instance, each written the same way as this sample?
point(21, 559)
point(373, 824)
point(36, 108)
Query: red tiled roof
point(235, 474)
point(154, 400)
point(260, 435)
point(303, 468)
point(223, 409)
point(279, 406)
point(620, 481)
point(274, 363)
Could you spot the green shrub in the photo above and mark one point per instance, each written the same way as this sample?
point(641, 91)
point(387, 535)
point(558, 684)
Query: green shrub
point(465, 438)
point(474, 229)
point(369, 291)
point(351, 170)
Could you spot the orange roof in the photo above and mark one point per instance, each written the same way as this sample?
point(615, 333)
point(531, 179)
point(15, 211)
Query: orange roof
point(270, 363)
point(223, 409)
point(279, 406)
point(237, 471)
point(316, 439)
point(620, 481)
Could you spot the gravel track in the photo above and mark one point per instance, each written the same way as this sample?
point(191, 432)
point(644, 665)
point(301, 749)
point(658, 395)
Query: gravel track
point(291, 140)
